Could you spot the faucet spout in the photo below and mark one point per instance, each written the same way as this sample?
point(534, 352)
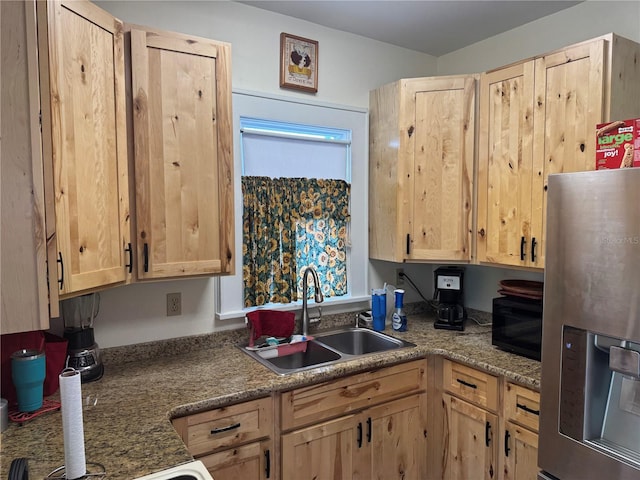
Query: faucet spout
point(318, 297)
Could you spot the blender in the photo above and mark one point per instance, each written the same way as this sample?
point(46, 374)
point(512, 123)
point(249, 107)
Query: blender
point(83, 353)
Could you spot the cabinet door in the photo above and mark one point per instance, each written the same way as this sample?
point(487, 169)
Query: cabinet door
point(249, 462)
point(569, 91)
point(396, 434)
point(440, 193)
point(505, 164)
point(183, 155)
point(84, 106)
point(323, 451)
point(470, 444)
point(520, 453)
point(24, 236)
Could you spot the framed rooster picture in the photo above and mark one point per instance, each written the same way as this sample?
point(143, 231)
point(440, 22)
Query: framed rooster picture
point(298, 63)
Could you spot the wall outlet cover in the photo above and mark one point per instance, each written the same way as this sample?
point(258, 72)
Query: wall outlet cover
point(174, 304)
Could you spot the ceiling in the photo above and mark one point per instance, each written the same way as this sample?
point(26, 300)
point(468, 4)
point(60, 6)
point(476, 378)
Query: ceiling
point(433, 27)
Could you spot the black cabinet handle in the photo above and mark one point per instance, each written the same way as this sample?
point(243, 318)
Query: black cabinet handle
point(61, 279)
point(369, 430)
point(359, 434)
point(267, 464)
point(506, 443)
point(146, 257)
point(129, 250)
point(533, 249)
point(225, 429)
point(466, 384)
point(487, 434)
point(527, 409)
point(523, 244)
point(408, 243)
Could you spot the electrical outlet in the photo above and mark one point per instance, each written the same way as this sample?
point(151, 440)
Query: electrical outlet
point(399, 277)
point(174, 304)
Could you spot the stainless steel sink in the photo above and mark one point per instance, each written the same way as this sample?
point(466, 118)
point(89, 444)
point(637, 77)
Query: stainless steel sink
point(330, 348)
point(314, 356)
point(360, 341)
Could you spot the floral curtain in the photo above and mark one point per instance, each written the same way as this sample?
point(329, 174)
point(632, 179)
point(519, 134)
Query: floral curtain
point(289, 223)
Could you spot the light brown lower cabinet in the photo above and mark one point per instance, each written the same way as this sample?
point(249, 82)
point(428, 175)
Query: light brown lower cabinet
point(370, 425)
point(233, 442)
point(383, 442)
point(520, 452)
point(488, 426)
point(520, 437)
point(470, 447)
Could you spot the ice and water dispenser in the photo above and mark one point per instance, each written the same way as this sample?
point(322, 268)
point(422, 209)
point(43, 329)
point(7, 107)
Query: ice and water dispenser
point(600, 393)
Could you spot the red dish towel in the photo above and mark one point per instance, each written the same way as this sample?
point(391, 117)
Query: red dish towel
point(270, 323)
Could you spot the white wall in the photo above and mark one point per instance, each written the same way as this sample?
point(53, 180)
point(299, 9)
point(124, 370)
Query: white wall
point(348, 65)
point(584, 21)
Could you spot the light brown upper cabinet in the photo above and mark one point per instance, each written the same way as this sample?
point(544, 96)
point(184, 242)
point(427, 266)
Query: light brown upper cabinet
point(421, 153)
point(181, 94)
point(85, 144)
point(537, 118)
point(24, 291)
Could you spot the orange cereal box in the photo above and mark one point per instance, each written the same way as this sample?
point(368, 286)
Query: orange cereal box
point(618, 144)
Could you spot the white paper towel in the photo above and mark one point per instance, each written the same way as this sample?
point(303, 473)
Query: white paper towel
point(72, 427)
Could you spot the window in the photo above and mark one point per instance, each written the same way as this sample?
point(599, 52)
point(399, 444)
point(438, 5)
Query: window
point(295, 209)
point(288, 127)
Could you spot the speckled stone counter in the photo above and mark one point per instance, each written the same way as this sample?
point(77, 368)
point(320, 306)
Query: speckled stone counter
point(127, 413)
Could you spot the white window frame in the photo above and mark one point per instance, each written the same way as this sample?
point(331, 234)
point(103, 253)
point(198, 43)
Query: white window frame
point(229, 289)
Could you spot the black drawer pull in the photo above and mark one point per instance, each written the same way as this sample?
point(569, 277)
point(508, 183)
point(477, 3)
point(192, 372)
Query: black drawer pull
point(225, 429)
point(61, 279)
point(466, 384)
point(487, 434)
point(408, 243)
point(506, 443)
point(523, 244)
point(145, 251)
point(359, 434)
point(527, 409)
point(369, 430)
point(129, 250)
point(534, 243)
point(267, 464)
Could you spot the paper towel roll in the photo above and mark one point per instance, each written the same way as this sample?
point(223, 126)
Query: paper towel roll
point(72, 427)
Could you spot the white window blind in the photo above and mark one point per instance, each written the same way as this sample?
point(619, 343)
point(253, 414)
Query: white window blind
point(279, 149)
point(247, 105)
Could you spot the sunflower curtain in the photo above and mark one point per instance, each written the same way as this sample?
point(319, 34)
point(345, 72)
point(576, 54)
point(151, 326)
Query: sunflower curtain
point(291, 222)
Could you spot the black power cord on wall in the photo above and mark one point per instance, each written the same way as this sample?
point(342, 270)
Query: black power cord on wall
point(433, 303)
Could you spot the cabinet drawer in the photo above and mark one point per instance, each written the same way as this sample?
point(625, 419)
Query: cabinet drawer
point(252, 461)
point(522, 406)
point(226, 427)
point(473, 385)
point(307, 405)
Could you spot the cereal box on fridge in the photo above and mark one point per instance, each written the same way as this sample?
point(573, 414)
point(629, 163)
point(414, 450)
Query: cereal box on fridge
point(618, 144)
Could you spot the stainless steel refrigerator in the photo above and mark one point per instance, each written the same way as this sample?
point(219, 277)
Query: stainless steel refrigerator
point(590, 387)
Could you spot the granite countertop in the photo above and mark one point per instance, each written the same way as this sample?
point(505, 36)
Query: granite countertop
point(127, 413)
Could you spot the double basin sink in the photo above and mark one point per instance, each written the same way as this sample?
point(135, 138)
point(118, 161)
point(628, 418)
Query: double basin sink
point(329, 348)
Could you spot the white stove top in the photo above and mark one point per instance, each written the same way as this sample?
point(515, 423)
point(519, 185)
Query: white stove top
point(188, 471)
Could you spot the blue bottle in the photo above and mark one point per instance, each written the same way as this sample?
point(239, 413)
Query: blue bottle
point(399, 319)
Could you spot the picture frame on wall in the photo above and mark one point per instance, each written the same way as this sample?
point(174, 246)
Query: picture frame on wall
point(298, 63)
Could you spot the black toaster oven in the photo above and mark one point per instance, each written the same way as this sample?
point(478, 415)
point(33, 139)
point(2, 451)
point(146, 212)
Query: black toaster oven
point(517, 325)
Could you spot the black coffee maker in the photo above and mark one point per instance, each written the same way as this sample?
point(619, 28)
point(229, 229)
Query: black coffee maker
point(448, 293)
